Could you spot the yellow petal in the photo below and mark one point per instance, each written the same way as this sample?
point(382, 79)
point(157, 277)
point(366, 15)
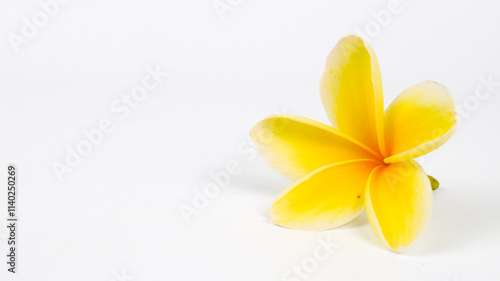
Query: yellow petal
point(351, 91)
point(294, 146)
point(418, 121)
point(328, 197)
point(398, 203)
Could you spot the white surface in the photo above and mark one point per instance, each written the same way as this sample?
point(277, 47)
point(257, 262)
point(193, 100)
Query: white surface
point(119, 208)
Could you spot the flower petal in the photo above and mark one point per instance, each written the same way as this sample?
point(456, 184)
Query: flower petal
point(294, 146)
point(418, 121)
point(328, 197)
point(398, 203)
point(351, 91)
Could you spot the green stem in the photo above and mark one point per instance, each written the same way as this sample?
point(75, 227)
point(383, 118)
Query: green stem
point(434, 182)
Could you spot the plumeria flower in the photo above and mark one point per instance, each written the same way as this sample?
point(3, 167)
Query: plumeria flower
point(365, 159)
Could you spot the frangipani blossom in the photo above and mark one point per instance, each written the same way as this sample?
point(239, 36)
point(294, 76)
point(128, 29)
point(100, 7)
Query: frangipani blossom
point(365, 159)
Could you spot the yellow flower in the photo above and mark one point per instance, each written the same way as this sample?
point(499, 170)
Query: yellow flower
point(366, 158)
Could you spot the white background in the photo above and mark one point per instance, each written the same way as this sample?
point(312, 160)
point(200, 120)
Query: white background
point(118, 210)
